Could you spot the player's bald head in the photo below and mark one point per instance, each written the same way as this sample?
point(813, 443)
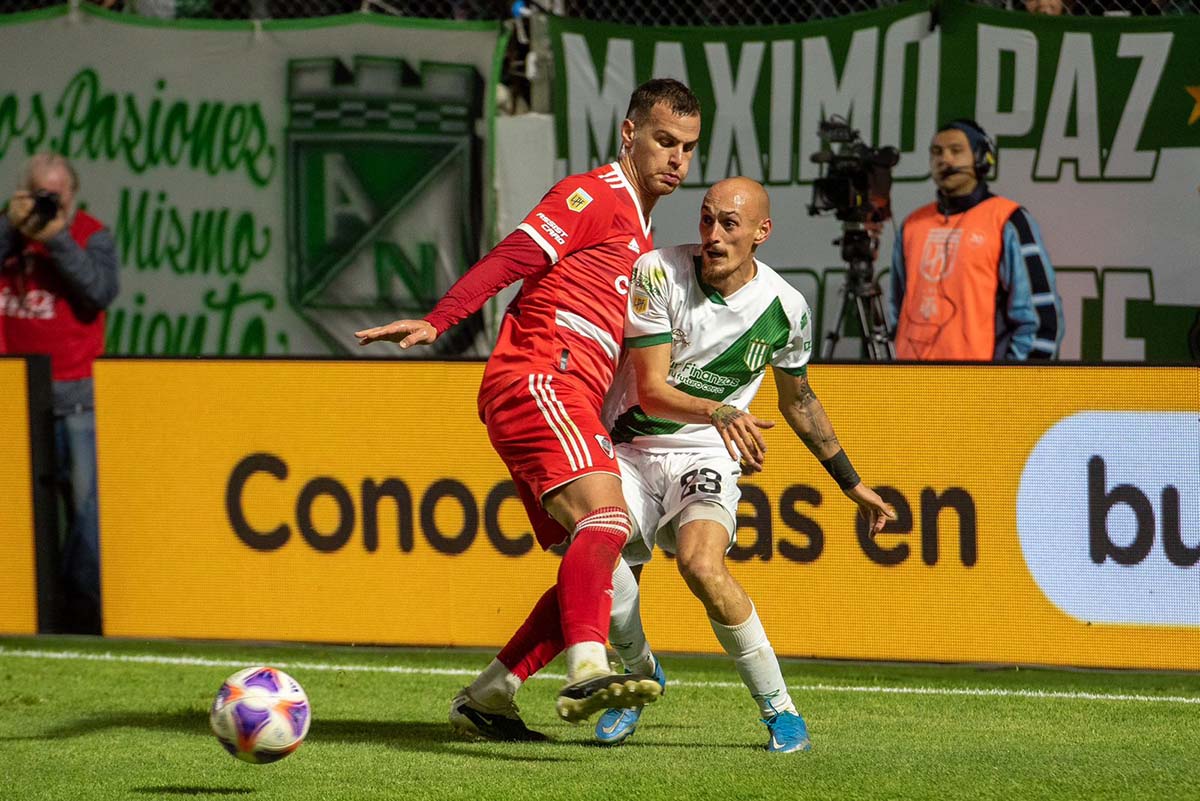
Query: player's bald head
point(744, 195)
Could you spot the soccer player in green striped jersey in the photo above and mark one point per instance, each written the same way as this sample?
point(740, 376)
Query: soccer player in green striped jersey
point(704, 321)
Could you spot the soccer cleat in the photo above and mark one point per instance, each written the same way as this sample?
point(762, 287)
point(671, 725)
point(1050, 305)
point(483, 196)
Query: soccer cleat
point(788, 733)
point(616, 725)
point(580, 699)
point(471, 719)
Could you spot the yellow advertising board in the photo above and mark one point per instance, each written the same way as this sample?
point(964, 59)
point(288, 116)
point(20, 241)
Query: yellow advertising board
point(1048, 515)
point(18, 569)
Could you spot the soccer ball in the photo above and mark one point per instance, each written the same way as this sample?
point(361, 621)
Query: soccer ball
point(260, 714)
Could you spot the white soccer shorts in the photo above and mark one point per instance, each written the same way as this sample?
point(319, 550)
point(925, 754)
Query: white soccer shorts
point(659, 486)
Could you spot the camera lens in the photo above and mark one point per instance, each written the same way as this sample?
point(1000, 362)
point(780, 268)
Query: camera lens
point(45, 208)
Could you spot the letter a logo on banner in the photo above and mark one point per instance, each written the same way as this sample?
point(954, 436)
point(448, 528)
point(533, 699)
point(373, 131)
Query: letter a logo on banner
point(382, 191)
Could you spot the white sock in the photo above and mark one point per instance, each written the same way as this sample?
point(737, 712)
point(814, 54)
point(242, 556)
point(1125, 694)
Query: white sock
point(586, 659)
point(495, 686)
point(625, 626)
point(755, 661)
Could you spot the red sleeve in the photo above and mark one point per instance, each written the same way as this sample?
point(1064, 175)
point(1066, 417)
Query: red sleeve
point(516, 257)
point(577, 213)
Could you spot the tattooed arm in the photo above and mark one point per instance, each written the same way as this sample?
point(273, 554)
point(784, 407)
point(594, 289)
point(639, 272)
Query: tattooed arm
point(739, 429)
point(805, 414)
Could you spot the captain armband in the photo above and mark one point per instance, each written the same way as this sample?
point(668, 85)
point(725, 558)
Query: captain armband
point(842, 471)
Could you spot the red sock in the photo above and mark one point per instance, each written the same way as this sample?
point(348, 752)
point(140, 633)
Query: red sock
point(538, 640)
point(585, 575)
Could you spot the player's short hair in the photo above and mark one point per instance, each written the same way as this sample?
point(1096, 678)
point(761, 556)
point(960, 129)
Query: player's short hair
point(675, 95)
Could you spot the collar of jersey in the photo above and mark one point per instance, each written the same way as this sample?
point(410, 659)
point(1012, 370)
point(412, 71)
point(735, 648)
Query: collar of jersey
point(710, 292)
point(644, 219)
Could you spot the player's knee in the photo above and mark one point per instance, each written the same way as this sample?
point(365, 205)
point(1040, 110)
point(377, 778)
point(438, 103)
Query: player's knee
point(705, 574)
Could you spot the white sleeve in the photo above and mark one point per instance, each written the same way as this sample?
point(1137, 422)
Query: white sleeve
point(648, 317)
point(794, 357)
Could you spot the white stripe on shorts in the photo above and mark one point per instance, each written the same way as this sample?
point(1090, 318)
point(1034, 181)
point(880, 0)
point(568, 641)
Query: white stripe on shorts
point(574, 429)
point(554, 412)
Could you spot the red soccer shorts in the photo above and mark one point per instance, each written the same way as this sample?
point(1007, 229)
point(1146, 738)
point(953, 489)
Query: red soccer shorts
point(547, 429)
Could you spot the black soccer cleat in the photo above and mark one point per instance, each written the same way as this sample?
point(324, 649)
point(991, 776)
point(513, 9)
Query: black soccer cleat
point(504, 724)
point(579, 700)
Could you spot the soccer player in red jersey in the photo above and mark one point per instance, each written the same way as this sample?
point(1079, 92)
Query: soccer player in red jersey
point(542, 392)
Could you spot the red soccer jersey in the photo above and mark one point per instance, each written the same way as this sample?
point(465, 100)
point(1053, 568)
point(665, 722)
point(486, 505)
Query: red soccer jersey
point(570, 317)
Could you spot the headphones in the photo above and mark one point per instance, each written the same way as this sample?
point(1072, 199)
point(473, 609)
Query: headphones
point(982, 145)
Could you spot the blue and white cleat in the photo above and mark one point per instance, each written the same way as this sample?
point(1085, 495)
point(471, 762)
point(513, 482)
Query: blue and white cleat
point(788, 733)
point(616, 725)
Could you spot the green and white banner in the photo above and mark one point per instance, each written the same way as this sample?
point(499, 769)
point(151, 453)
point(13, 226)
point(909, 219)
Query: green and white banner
point(272, 187)
point(1097, 120)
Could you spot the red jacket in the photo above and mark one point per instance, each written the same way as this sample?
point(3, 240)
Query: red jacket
point(36, 315)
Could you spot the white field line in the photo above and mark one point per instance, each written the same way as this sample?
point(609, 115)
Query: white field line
point(977, 692)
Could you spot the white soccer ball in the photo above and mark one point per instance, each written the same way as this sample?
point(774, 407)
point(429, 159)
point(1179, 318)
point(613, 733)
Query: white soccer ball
point(260, 714)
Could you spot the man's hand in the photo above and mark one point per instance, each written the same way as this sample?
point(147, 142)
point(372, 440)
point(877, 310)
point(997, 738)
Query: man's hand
point(50, 229)
point(740, 431)
point(871, 506)
point(20, 209)
point(405, 332)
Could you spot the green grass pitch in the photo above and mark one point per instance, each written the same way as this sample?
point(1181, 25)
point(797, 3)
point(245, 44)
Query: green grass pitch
point(84, 718)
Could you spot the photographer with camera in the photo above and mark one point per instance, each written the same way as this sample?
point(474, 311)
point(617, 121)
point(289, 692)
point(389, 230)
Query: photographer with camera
point(58, 274)
point(971, 280)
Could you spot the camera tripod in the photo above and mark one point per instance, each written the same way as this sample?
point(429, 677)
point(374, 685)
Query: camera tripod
point(862, 292)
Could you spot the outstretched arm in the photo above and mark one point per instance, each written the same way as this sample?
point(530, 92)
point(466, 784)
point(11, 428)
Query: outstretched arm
point(805, 414)
point(739, 429)
point(516, 257)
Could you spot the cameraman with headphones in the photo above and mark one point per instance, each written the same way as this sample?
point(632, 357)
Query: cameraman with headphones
point(971, 280)
point(57, 275)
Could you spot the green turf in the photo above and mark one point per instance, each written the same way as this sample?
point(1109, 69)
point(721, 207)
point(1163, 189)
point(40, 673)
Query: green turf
point(77, 729)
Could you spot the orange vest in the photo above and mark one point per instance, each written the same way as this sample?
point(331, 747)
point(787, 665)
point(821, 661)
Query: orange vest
point(952, 277)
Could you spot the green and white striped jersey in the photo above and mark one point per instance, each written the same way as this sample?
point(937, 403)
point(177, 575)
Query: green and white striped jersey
point(720, 346)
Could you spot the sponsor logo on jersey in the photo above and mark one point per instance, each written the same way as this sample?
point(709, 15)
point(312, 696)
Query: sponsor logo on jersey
point(641, 301)
point(757, 353)
point(633, 245)
point(552, 229)
point(578, 200)
point(605, 445)
point(693, 375)
point(650, 278)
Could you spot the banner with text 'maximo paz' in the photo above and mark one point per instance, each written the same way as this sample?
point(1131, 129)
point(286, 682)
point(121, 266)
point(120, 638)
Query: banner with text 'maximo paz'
point(1047, 515)
point(1097, 123)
